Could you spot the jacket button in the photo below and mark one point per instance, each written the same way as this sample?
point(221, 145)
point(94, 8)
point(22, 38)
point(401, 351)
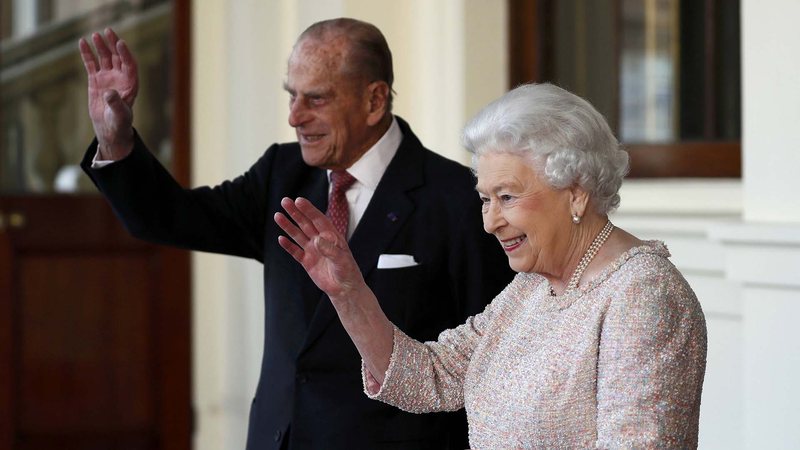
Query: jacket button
point(277, 436)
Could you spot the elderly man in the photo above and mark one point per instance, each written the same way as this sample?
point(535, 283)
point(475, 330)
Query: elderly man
point(412, 219)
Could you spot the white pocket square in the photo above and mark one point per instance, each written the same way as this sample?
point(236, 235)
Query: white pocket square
point(395, 261)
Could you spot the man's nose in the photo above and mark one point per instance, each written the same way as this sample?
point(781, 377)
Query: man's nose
point(298, 114)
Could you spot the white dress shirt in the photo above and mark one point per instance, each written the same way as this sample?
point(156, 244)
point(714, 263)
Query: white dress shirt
point(368, 171)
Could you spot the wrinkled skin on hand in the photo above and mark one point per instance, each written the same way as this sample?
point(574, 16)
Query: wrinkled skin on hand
point(319, 248)
point(113, 84)
point(323, 253)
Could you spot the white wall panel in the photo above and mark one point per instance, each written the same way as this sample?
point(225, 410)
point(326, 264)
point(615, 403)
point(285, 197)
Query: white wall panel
point(772, 368)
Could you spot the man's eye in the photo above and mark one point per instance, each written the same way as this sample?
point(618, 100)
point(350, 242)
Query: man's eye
point(484, 200)
point(506, 198)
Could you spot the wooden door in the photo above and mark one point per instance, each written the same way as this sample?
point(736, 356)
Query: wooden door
point(94, 325)
point(95, 341)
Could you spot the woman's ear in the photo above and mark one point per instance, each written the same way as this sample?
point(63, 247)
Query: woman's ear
point(377, 102)
point(578, 202)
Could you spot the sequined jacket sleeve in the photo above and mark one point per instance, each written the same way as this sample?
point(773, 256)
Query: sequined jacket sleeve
point(651, 365)
point(428, 377)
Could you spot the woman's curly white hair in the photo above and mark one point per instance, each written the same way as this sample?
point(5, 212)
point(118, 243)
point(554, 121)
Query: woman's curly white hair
point(562, 135)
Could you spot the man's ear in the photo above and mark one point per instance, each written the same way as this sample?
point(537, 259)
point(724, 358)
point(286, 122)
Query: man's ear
point(377, 102)
point(578, 201)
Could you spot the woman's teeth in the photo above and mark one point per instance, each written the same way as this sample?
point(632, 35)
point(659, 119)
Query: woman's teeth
point(512, 242)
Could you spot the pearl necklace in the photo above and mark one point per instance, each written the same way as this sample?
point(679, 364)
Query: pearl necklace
point(598, 242)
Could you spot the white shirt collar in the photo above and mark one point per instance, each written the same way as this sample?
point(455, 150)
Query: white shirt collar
point(369, 169)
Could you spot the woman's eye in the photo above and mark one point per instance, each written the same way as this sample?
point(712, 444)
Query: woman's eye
point(484, 204)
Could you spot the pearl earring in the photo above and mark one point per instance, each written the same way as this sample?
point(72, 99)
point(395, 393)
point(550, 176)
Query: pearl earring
point(576, 219)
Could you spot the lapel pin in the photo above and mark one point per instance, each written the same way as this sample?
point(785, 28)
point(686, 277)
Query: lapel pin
point(392, 216)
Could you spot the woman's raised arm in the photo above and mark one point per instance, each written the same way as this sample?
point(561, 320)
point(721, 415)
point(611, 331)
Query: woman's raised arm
point(324, 254)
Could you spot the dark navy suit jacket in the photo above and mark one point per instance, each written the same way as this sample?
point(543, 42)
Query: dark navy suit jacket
point(310, 390)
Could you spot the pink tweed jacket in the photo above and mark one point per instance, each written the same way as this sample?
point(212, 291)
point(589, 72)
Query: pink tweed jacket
point(619, 363)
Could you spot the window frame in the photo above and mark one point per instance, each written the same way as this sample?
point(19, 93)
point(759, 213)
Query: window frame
point(531, 55)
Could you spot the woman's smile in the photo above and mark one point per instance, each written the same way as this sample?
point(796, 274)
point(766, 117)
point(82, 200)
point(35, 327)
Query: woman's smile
point(509, 245)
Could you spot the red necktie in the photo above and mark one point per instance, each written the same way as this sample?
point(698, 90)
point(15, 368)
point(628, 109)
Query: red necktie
point(338, 210)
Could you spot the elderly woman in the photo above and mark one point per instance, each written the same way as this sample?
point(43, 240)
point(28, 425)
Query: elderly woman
point(597, 342)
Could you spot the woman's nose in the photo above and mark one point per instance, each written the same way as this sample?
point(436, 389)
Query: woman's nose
point(492, 219)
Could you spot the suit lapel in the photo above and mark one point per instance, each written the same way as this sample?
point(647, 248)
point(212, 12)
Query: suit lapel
point(385, 215)
point(295, 294)
point(317, 190)
point(317, 193)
